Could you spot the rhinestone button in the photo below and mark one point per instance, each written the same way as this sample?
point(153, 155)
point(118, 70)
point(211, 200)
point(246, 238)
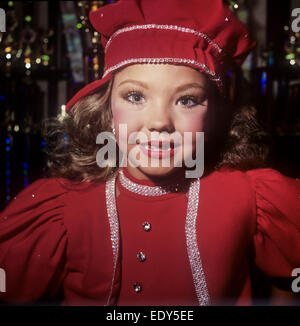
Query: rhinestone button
point(141, 256)
point(147, 226)
point(137, 287)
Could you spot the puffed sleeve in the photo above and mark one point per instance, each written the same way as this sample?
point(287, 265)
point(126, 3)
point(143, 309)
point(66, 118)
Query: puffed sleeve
point(277, 235)
point(33, 242)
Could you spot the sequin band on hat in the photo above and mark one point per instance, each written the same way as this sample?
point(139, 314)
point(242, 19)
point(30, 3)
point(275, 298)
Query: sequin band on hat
point(163, 27)
point(212, 74)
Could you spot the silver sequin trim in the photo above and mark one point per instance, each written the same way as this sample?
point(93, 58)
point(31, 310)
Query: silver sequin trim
point(148, 191)
point(192, 246)
point(164, 27)
point(190, 227)
point(114, 226)
point(215, 78)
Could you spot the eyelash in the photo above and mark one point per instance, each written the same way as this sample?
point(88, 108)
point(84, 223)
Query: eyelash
point(197, 100)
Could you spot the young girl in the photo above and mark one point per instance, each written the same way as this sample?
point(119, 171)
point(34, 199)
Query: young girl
point(147, 233)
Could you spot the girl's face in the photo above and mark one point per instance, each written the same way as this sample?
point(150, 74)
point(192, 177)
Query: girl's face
point(158, 102)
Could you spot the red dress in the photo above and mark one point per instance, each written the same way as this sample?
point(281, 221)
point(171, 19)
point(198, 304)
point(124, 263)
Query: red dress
point(56, 241)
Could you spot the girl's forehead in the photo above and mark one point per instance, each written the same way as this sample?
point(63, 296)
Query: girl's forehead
point(159, 74)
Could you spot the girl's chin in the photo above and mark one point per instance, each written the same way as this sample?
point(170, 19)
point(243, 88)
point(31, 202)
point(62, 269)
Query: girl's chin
point(160, 172)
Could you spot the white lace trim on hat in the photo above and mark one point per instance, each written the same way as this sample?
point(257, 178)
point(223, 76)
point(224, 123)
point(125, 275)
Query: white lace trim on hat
point(164, 27)
point(214, 77)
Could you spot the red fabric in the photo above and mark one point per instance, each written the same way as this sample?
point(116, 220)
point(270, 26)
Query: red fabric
point(221, 31)
point(59, 240)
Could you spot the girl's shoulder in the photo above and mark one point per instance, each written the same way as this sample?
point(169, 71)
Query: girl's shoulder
point(270, 192)
point(51, 192)
point(275, 212)
point(261, 181)
point(49, 206)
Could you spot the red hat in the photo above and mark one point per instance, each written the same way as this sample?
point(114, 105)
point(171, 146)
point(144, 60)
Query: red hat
point(203, 34)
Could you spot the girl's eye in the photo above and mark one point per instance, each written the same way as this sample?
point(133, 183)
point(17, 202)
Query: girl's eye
point(134, 97)
point(190, 101)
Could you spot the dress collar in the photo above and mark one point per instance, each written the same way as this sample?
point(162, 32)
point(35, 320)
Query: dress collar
point(167, 188)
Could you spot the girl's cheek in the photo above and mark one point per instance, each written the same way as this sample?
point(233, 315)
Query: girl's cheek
point(195, 122)
point(129, 120)
point(188, 128)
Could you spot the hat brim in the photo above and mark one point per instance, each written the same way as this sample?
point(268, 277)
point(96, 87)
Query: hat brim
point(88, 89)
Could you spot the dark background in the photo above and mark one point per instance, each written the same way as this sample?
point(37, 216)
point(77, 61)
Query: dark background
point(49, 51)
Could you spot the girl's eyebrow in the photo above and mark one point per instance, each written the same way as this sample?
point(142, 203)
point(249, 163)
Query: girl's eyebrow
point(178, 89)
point(188, 86)
point(132, 81)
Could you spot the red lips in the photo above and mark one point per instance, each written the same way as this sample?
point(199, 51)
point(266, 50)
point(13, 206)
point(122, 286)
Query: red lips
point(160, 143)
point(158, 148)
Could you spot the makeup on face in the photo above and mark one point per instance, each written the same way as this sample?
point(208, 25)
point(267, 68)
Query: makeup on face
point(159, 99)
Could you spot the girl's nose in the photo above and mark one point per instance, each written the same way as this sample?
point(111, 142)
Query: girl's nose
point(158, 118)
